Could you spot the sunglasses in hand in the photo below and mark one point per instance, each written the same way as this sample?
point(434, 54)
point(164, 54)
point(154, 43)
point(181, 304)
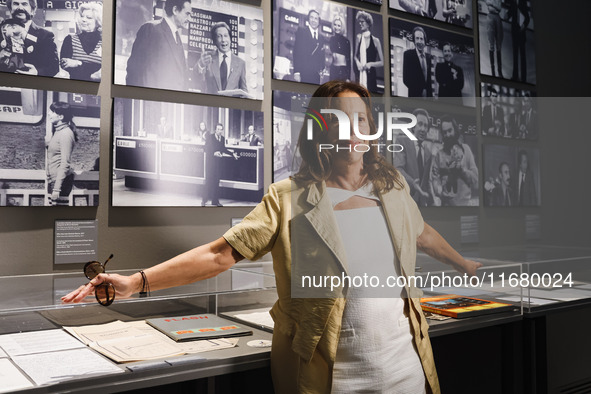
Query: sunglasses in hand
point(105, 292)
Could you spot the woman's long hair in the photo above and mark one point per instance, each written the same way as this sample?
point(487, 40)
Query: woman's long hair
point(317, 164)
point(64, 109)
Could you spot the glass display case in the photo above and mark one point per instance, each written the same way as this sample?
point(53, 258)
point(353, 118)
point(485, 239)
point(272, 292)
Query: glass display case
point(32, 316)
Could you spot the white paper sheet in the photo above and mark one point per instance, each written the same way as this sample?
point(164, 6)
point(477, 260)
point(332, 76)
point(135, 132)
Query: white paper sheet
point(38, 342)
point(11, 378)
point(53, 367)
point(3, 353)
point(260, 318)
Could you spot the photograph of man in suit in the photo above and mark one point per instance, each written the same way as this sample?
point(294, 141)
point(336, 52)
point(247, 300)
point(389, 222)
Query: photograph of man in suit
point(252, 138)
point(215, 152)
point(493, 115)
point(518, 14)
point(526, 125)
point(221, 69)
point(525, 187)
point(448, 75)
point(415, 159)
point(308, 52)
point(157, 57)
point(416, 69)
point(502, 194)
point(40, 51)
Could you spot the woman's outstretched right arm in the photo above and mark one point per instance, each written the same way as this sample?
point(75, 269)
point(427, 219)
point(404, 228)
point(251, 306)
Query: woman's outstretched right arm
point(200, 263)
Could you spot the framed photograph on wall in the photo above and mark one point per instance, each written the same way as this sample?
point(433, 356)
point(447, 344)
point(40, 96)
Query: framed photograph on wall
point(170, 154)
point(511, 176)
point(49, 148)
point(455, 12)
point(318, 41)
point(205, 46)
point(507, 41)
point(509, 112)
point(430, 62)
point(441, 166)
point(61, 39)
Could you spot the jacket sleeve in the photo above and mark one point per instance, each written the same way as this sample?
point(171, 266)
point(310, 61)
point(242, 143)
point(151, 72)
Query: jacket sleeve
point(49, 62)
point(256, 234)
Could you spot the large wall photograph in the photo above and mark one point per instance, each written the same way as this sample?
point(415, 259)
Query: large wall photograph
point(511, 176)
point(169, 154)
point(506, 38)
point(316, 41)
point(456, 12)
point(49, 148)
point(61, 39)
point(441, 166)
point(430, 62)
point(509, 112)
point(204, 46)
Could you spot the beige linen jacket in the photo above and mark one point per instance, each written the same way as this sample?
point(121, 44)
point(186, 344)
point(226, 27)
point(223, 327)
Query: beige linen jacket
point(307, 330)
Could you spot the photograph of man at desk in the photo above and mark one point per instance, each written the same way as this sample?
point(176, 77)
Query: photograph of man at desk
point(168, 154)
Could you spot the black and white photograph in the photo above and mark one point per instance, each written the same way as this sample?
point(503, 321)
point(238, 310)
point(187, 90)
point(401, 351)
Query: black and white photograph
point(316, 41)
point(61, 39)
point(205, 46)
point(506, 38)
point(430, 62)
point(287, 125)
point(49, 148)
point(456, 12)
point(511, 176)
point(441, 165)
point(378, 2)
point(509, 112)
point(170, 154)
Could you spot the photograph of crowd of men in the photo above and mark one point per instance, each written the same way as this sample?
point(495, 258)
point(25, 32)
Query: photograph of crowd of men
point(508, 112)
point(316, 41)
point(170, 154)
point(457, 12)
point(511, 176)
point(506, 37)
point(429, 62)
point(440, 166)
point(206, 46)
point(52, 39)
point(49, 148)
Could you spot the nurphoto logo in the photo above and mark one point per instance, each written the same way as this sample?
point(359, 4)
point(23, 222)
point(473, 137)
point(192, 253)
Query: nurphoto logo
point(393, 122)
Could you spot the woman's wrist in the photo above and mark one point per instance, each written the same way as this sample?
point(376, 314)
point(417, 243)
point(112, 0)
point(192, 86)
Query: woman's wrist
point(137, 282)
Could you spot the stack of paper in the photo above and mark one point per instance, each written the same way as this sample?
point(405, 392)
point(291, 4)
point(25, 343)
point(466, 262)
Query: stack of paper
point(137, 341)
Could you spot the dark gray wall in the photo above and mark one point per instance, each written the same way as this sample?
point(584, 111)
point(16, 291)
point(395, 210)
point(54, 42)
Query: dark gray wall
point(141, 237)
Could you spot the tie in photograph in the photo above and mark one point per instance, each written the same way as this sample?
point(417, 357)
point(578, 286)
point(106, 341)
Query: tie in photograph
point(224, 73)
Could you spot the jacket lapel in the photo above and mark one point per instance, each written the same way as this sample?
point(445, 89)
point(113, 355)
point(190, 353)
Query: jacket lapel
point(168, 36)
point(322, 218)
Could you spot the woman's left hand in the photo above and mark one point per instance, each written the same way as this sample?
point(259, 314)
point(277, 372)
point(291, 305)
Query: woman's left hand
point(55, 195)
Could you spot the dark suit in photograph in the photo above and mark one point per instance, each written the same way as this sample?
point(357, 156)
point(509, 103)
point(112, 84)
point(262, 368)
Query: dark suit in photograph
point(213, 166)
point(448, 85)
point(413, 76)
point(308, 55)
point(526, 189)
point(253, 140)
point(499, 198)
point(526, 125)
point(44, 51)
point(210, 81)
point(157, 60)
point(407, 163)
point(496, 120)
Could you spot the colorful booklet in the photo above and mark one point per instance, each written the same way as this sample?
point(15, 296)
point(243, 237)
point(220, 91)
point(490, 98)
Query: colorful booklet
point(459, 306)
point(196, 327)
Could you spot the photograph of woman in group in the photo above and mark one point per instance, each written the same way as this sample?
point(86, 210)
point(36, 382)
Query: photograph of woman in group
point(319, 41)
point(365, 200)
point(61, 39)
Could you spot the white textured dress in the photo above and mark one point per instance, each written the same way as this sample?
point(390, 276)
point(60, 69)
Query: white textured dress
point(375, 353)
